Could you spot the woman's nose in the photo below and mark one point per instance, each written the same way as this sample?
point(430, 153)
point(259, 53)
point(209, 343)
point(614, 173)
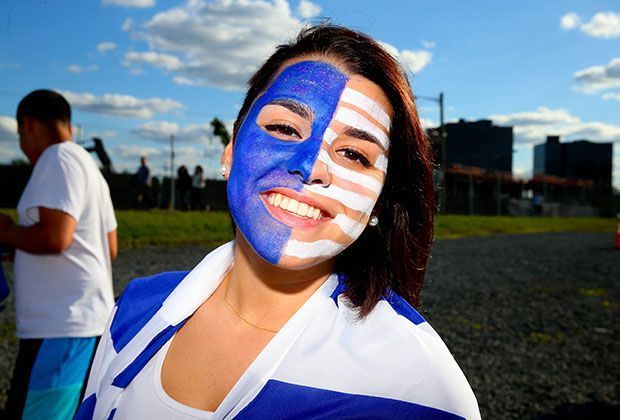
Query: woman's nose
point(305, 163)
point(319, 175)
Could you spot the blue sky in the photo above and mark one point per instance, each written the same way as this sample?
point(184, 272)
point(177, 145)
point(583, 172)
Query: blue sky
point(136, 71)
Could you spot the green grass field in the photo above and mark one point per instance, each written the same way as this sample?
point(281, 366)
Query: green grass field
point(138, 228)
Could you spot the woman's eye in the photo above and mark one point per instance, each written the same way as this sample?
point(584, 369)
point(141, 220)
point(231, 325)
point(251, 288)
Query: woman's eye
point(283, 130)
point(354, 156)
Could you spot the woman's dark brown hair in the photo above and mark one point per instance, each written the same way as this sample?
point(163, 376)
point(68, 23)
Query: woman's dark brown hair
point(392, 255)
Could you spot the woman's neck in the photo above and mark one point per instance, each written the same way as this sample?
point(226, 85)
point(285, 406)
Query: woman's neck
point(267, 294)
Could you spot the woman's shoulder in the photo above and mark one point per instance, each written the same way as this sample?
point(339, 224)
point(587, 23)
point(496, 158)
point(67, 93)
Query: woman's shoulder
point(396, 321)
point(406, 350)
point(140, 300)
point(156, 287)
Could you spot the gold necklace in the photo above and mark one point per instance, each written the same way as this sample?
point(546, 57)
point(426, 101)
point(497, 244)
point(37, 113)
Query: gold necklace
point(241, 317)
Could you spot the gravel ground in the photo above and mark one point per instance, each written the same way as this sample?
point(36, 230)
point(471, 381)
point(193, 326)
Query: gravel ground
point(531, 319)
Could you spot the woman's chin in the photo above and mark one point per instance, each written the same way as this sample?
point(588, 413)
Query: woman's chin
point(297, 264)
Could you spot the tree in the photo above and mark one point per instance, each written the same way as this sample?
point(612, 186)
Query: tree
point(219, 129)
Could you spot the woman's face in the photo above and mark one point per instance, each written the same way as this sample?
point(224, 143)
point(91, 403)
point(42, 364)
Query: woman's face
point(308, 164)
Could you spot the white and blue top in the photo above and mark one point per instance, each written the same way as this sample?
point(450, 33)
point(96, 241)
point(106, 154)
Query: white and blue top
point(324, 362)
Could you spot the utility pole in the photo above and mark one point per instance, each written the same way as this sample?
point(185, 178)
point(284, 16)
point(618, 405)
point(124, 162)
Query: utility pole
point(442, 144)
point(442, 133)
point(172, 193)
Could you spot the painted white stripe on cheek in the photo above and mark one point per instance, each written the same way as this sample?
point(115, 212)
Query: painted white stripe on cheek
point(362, 101)
point(356, 120)
point(349, 226)
point(350, 199)
point(344, 173)
point(321, 248)
point(329, 136)
point(382, 163)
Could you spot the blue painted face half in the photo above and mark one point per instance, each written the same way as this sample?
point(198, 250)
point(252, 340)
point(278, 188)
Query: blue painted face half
point(280, 155)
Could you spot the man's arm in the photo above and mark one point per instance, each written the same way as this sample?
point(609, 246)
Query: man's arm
point(113, 243)
point(52, 235)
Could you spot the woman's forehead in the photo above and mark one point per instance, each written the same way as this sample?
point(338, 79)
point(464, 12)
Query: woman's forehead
point(308, 80)
point(318, 80)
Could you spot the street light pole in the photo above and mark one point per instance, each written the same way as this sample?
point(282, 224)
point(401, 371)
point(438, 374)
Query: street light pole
point(442, 133)
point(172, 193)
point(442, 144)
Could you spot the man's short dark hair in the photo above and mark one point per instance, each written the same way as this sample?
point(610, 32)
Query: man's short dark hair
point(45, 106)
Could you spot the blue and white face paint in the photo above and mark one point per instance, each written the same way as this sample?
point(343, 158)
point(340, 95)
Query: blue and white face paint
point(309, 163)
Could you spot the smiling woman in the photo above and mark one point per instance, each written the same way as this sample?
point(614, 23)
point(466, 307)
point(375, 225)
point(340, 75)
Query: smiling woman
point(308, 313)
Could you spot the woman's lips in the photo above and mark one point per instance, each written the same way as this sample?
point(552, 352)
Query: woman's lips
point(293, 211)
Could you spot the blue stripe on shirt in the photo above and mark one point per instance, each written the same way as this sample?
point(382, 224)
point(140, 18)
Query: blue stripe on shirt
point(283, 400)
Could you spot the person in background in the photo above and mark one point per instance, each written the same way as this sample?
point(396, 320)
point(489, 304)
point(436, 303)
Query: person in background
point(65, 241)
point(198, 185)
point(143, 185)
point(537, 203)
point(184, 186)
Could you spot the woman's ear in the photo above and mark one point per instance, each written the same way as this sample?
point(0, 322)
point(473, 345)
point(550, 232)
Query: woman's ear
point(227, 157)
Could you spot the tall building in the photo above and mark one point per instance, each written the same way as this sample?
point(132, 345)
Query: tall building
point(548, 157)
point(479, 143)
point(581, 159)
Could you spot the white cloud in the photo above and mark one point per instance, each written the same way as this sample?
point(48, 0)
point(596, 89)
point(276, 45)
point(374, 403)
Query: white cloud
point(415, 61)
point(166, 61)
point(125, 150)
point(534, 126)
point(428, 123)
point(542, 116)
point(105, 134)
point(127, 25)
point(570, 21)
point(307, 10)
point(121, 105)
point(130, 3)
point(75, 69)
point(186, 81)
point(160, 131)
point(603, 25)
point(8, 129)
point(596, 78)
point(105, 46)
point(10, 152)
point(612, 96)
point(9, 144)
point(221, 42)
point(428, 44)
point(522, 171)
point(412, 60)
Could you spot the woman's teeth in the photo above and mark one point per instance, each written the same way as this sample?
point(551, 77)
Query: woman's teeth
point(294, 206)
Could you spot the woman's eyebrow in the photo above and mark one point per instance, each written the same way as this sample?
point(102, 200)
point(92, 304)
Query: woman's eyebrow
point(298, 108)
point(362, 135)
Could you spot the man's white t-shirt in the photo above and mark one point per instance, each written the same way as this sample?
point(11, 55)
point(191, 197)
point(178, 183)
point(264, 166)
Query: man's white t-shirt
point(68, 294)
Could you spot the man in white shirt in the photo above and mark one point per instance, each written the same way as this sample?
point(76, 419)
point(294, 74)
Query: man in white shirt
point(65, 241)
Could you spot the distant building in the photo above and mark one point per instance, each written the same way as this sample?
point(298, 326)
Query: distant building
point(581, 159)
point(480, 144)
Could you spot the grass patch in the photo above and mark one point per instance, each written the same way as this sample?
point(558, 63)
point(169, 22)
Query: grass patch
point(155, 227)
point(159, 227)
point(545, 338)
point(475, 325)
point(457, 226)
point(7, 333)
point(596, 292)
